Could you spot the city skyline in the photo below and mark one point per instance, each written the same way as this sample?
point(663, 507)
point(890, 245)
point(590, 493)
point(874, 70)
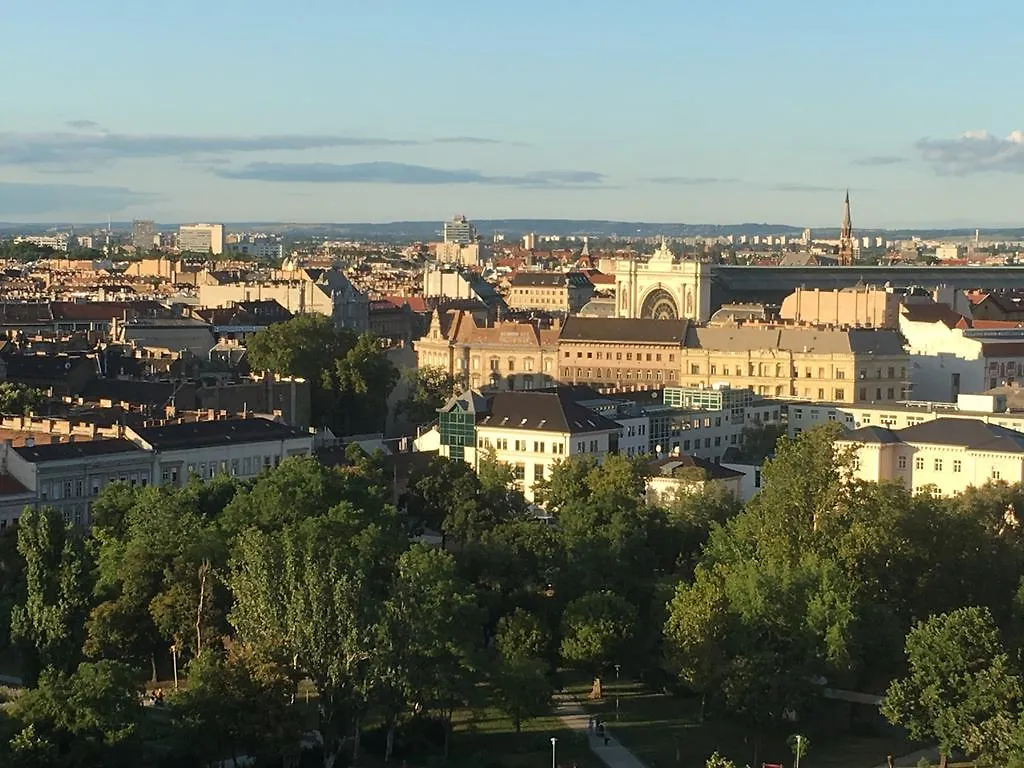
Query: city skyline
point(646, 112)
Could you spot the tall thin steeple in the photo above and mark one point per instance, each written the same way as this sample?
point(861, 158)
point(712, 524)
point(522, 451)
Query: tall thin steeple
point(846, 235)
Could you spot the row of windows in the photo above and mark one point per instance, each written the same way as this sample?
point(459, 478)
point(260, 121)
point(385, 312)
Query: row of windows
point(77, 488)
point(539, 446)
point(937, 464)
point(610, 374)
point(494, 364)
point(640, 356)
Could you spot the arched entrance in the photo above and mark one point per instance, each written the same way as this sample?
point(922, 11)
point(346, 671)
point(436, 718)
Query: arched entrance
point(659, 304)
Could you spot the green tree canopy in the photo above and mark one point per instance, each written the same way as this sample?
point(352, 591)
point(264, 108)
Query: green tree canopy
point(47, 626)
point(961, 689)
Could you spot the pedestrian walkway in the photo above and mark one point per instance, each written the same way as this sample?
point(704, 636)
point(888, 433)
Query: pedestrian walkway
point(614, 755)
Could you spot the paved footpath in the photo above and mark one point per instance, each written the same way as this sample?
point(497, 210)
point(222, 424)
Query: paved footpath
point(575, 717)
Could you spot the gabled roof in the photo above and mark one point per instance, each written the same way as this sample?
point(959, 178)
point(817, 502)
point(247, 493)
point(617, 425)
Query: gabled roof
point(469, 401)
point(618, 329)
point(932, 313)
point(544, 412)
point(666, 466)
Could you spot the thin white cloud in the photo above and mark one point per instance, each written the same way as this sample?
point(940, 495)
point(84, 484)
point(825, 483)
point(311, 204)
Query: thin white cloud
point(406, 174)
point(689, 181)
point(875, 161)
point(89, 145)
point(974, 152)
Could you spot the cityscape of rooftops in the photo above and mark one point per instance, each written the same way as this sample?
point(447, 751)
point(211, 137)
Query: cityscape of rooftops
point(457, 386)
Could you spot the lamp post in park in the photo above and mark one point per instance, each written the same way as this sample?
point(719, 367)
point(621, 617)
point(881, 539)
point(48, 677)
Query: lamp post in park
point(553, 742)
point(617, 668)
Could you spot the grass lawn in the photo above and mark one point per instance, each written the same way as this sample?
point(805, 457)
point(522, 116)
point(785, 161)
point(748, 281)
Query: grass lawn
point(486, 736)
point(657, 727)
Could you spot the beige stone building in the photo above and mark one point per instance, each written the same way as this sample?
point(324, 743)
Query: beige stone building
point(868, 306)
point(324, 291)
point(507, 355)
point(865, 305)
point(550, 291)
point(817, 364)
point(610, 353)
point(947, 455)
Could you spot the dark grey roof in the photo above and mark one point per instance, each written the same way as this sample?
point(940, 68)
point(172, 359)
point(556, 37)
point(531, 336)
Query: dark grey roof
point(64, 451)
point(872, 434)
point(668, 465)
point(969, 433)
point(640, 330)
point(201, 434)
point(544, 411)
point(539, 279)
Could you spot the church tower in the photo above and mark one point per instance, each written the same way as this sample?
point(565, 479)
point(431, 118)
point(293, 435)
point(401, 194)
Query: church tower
point(846, 236)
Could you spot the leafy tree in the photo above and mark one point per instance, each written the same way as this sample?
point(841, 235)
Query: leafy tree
point(444, 496)
point(157, 579)
point(430, 388)
point(961, 690)
point(47, 627)
point(351, 376)
point(717, 761)
point(521, 689)
point(306, 345)
point(12, 582)
point(423, 642)
point(596, 630)
point(520, 636)
point(300, 488)
point(89, 717)
point(19, 398)
point(235, 705)
point(311, 595)
point(362, 380)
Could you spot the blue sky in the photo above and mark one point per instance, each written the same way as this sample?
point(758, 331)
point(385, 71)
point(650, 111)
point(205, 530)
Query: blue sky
point(701, 112)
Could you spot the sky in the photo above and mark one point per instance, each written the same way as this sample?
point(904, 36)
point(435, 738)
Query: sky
point(650, 110)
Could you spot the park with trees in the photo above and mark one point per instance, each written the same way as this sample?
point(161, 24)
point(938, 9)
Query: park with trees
point(304, 622)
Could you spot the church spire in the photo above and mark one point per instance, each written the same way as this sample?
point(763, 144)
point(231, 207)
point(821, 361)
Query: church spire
point(846, 235)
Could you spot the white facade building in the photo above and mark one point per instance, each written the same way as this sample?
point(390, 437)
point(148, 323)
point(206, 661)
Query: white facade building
point(201, 238)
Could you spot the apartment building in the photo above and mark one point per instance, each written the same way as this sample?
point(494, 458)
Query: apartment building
point(67, 475)
point(561, 292)
point(825, 364)
point(950, 354)
point(236, 447)
point(987, 408)
point(201, 238)
point(506, 355)
point(529, 431)
point(618, 354)
point(322, 291)
point(946, 455)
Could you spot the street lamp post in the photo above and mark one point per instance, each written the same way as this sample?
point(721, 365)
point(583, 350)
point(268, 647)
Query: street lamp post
point(174, 662)
point(553, 742)
point(799, 738)
point(617, 668)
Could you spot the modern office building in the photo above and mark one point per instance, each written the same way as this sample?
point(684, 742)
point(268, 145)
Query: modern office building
point(459, 230)
point(201, 238)
point(143, 235)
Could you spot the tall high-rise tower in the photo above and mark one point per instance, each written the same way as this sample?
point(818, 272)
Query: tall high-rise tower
point(846, 235)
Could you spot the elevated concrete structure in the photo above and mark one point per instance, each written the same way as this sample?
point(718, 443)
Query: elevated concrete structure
point(733, 284)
